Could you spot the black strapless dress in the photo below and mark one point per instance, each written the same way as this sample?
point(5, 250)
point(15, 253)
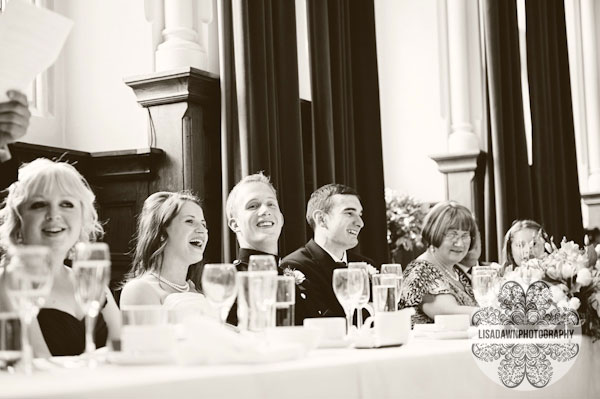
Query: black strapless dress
point(65, 335)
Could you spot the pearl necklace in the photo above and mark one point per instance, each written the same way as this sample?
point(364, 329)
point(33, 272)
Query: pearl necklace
point(177, 287)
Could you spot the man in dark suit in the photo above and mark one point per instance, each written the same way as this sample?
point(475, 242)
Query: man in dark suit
point(334, 212)
point(14, 121)
point(254, 216)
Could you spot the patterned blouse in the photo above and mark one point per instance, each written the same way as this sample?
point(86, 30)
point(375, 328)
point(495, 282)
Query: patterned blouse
point(425, 278)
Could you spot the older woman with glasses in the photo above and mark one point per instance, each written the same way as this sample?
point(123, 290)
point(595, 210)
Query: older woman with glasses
point(433, 283)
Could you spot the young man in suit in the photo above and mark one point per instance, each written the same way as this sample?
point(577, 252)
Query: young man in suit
point(253, 215)
point(334, 212)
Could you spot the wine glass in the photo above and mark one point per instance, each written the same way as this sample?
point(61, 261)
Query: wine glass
point(91, 275)
point(348, 288)
point(28, 280)
point(394, 268)
point(219, 286)
point(10, 340)
point(262, 263)
point(366, 292)
point(385, 292)
point(482, 281)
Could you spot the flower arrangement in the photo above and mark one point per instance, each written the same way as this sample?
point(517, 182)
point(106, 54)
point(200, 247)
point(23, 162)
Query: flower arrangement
point(405, 216)
point(298, 276)
point(575, 277)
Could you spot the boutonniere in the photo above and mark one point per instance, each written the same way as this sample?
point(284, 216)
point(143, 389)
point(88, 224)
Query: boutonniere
point(298, 276)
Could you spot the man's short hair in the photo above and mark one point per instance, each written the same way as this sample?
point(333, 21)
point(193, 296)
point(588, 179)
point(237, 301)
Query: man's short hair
point(232, 197)
point(321, 200)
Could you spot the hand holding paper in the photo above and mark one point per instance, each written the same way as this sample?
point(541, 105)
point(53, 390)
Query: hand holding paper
point(31, 39)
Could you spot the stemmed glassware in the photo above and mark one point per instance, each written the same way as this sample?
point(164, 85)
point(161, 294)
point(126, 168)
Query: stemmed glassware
point(348, 288)
point(482, 281)
point(396, 269)
point(91, 275)
point(219, 286)
point(28, 280)
point(10, 340)
point(366, 291)
point(262, 263)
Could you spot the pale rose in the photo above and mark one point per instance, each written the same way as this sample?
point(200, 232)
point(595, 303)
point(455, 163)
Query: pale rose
point(558, 295)
point(553, 273)
point(574, 303)
point(584, 277)
point(568, 270)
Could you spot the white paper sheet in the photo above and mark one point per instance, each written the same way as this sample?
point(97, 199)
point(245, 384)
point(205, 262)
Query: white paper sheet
point(30, 41)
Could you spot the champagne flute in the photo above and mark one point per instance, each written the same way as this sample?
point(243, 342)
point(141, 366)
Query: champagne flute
point(366, 292)
point(482, 281)
point(91, 275)
point(219, 286)
point(10, 340)
point(394, 268)
point(28, 280)
point(348, 288)
point(262, 263)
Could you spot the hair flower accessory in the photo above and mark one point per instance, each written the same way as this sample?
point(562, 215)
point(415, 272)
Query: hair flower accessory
point(298, 276)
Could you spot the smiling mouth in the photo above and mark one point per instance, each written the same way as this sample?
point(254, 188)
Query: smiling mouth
point(353, 233)
point(53, 230)
point(265, 223)
point(197, 243)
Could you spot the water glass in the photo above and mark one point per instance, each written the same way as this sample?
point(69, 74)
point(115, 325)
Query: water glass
point(219, 286)
point(396, 269)
point(146, 330)
point(348, 289)
point(91, 275)
point(385, 292)
point(482, 281)
point(28, 280)
point(262, 293)
point(262, 263)
point(10, 340)
point(285, 300)
point(366, 292)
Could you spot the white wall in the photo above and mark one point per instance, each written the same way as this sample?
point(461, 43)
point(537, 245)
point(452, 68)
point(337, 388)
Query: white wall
point(410, 95)
point(95, 110)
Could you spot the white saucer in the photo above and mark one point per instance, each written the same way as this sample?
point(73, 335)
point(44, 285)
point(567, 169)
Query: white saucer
point(127, 359)
point(334, 343)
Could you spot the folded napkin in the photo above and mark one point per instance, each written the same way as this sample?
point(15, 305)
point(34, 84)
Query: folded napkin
point(185, 305)
point(208, 342)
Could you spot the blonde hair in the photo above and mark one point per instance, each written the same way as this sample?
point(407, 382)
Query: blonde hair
point(232, 197)
point(41, 175)
point(508, 258)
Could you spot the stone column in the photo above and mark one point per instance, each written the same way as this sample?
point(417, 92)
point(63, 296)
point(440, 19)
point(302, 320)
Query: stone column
point(462, 136)
point(459, 165)
point(183, 106)
point(591, 88)
point(184, 45)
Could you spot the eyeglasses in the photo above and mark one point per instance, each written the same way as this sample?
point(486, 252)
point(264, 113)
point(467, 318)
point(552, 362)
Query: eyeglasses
point(453, 235)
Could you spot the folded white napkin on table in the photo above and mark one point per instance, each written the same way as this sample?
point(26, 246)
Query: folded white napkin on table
point(206, 341)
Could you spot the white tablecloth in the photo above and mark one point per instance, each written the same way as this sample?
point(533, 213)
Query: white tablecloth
point(421, 369)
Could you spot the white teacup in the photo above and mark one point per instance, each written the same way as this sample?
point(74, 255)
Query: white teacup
point(331, 328)
point(390, 328)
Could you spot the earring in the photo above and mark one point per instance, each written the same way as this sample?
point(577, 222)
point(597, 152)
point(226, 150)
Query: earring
point(19, 238)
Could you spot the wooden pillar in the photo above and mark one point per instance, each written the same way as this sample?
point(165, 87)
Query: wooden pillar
point(183, 108)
